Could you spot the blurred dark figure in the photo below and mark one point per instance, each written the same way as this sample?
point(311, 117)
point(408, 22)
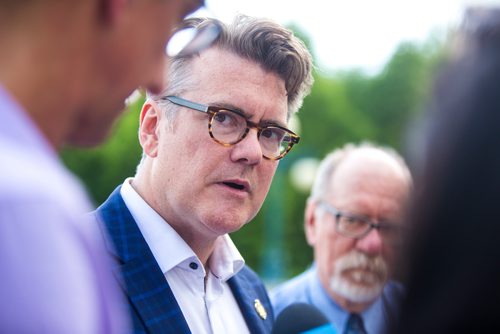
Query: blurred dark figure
point(453, 282)
point(66, 68)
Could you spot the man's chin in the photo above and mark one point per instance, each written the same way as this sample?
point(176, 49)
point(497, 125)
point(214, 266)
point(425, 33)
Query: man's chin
point(87, 138)
point(225, 222)
point(88, 132)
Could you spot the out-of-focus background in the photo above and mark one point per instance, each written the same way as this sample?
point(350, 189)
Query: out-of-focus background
point(374, 64)
point(351, 33)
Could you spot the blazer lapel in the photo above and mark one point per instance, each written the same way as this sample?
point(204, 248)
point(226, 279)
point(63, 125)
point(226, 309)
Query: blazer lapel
point(138, 272)
point(253, 301)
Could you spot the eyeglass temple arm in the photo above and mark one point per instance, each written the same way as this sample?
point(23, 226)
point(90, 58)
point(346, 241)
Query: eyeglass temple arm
point(380, 225)
point(329, 208)
point(185, 103)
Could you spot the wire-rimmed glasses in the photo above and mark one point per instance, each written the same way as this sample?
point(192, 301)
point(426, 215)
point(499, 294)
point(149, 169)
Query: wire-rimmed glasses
point(357, 226)
point(228, 127)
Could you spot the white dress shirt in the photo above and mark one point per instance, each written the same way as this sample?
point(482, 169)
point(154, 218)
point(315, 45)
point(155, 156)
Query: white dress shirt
point(207, 308)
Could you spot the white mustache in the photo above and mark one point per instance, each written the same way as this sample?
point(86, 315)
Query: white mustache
point(357, 260)
point(364, 286)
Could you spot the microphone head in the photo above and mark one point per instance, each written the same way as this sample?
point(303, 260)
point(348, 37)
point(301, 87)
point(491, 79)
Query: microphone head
point(298, 318)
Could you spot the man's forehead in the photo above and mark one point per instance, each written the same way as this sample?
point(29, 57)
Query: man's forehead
point(371, 177)
point(228, 80)
point(369, 163)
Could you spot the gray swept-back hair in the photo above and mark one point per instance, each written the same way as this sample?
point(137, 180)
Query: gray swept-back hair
point(322, 186)
point(263, 41)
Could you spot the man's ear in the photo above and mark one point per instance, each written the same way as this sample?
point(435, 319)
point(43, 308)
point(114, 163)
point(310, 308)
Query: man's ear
point(148, 128)
point(310, 223)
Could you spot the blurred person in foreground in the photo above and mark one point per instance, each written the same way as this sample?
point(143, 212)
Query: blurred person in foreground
point(453, 270)
point(211, 144)
point(353, 222)
point(66, 68)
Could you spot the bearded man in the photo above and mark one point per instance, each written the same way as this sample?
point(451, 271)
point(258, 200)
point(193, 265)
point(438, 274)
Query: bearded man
point(353, 222)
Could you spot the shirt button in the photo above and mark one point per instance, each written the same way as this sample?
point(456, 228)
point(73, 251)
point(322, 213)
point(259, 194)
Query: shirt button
point(193, 266)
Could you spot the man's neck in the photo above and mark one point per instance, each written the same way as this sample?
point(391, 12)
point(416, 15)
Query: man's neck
point(352, 307)
point(201, 244)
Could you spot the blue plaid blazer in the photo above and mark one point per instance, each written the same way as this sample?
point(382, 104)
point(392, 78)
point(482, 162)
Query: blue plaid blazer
point(152, 305)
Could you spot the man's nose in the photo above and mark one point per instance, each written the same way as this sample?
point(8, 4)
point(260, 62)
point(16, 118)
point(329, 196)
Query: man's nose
point(156, 82)
point(371, 244)
point(248, 149)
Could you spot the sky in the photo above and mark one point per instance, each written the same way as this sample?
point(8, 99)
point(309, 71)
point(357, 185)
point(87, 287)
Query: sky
point(351, 34)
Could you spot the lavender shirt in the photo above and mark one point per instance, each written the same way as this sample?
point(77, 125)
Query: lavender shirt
point(54, 273)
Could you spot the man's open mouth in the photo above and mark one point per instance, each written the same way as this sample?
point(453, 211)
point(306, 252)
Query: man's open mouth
point(234, 185)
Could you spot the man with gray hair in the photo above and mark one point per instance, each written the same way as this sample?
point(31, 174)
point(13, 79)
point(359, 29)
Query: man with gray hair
point(353, 222)
point(211, 144)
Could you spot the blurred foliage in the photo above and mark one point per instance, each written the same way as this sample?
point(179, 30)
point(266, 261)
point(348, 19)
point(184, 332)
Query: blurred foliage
point(343, 107)
point(103, 168)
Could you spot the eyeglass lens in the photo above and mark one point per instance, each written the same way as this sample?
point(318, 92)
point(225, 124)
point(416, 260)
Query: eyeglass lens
point(352, 226)
point(228, 127)
point(356, 227)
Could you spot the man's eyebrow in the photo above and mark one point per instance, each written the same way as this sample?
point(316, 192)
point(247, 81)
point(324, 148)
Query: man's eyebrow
point(264, 122)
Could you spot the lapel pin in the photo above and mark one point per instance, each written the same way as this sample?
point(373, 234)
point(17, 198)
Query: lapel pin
point(261, 311)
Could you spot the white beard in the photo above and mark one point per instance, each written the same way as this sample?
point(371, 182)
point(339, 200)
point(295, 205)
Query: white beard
point(360, 287)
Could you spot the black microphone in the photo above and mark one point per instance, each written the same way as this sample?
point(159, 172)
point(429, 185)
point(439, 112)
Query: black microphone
point(302, 318)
